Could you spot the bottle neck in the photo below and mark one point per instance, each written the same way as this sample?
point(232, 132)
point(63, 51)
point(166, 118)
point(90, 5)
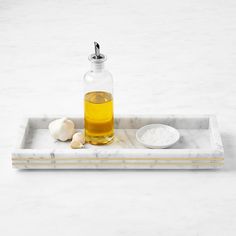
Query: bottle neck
point(97, 67)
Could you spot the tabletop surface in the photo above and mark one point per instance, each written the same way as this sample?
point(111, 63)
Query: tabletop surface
point(167, 57)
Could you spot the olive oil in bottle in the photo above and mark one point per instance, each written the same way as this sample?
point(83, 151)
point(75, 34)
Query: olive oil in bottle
point(98, 101)
point(98, 117)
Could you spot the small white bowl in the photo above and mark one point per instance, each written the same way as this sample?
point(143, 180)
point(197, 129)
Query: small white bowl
point(172, 133)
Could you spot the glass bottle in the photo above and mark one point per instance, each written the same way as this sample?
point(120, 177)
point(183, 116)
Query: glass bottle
point(98, 101)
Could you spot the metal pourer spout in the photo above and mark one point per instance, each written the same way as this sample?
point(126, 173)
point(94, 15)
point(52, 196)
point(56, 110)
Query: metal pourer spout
point(97, 50)
point(97, 57)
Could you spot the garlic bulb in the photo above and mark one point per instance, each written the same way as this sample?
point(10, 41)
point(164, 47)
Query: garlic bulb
point(62, 129)
point(78, 140)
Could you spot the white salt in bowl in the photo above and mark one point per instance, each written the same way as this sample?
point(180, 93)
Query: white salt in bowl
point(157, 136)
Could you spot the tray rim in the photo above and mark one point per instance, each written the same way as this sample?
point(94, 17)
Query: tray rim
point(216, 151)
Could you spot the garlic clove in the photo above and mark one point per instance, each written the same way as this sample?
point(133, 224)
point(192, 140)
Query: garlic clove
point(76, 145)
point(78, 140)
point(62, 129)
point(79, 136)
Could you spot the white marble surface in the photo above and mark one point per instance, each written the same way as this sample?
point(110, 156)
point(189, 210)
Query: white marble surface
point(166, 57)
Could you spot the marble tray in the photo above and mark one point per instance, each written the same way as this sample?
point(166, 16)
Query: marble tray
point(200, 146)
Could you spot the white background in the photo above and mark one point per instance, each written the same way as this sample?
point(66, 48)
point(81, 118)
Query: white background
point(168, 57)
